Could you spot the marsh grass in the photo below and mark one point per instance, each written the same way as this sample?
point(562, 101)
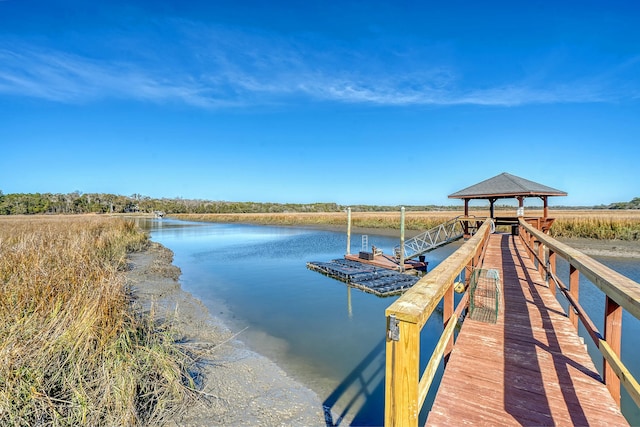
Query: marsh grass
point(389, 220)
point(592, 224)
point(73, 348)
point(603, 227)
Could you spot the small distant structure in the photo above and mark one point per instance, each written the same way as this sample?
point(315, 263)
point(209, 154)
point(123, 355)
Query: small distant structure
point(131, 208)
point(158, 214)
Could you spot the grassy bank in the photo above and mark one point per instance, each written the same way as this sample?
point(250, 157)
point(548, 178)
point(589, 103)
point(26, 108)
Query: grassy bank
point(592, 224)
point(73, 349)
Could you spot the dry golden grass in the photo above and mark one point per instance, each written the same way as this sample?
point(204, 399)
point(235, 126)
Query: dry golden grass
point(607, 225)
point(598, 224)
point(73, 351)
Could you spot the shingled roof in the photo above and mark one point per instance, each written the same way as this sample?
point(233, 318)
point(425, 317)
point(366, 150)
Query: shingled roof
point(505, 186)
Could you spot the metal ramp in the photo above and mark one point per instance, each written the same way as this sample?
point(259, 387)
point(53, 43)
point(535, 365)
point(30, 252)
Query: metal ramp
point(440, 235)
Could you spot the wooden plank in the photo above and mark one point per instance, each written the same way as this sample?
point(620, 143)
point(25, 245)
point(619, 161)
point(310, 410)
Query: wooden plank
point(530, 368)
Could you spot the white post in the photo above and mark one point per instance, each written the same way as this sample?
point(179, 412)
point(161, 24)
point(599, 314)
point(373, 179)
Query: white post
point(402, 239)
point(348, 231)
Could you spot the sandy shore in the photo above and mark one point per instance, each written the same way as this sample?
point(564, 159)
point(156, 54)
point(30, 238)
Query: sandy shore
point(240, 387)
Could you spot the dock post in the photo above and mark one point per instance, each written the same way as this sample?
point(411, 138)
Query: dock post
point(613, 337)
point(348, 231)
point(402, 239)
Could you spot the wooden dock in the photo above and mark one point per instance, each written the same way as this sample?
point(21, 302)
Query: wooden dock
point(530, 367)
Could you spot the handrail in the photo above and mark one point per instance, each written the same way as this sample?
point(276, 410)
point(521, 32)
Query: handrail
point(620, 288)
point(433, 238)
point(405, 389)
point(621, 293)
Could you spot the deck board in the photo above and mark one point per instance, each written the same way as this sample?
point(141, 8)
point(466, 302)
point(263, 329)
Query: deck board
point(530, 368)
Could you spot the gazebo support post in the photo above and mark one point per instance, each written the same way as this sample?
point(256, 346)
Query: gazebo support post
point(466, 222)
point(491, 208)
point(545, 214)
point(520, 205)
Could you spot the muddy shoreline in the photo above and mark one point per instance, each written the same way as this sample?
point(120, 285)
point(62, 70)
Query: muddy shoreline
point(239, 386)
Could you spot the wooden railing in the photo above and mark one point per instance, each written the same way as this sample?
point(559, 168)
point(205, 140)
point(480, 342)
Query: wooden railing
point(405, 389)
point(620, 291)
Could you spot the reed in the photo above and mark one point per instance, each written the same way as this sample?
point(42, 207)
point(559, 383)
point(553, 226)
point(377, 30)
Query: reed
point(597, 227)
point(592, 224)
point(73, 348)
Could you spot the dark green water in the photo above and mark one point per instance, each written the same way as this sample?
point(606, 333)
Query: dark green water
point(329, 337)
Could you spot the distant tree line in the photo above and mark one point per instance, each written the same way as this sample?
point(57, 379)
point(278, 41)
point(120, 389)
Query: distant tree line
point(77, 203)
point(633, 204)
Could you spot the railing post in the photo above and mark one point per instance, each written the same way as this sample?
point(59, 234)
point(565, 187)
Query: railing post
point(552, 271)
point(402, 373)
point(613, 337)
point(447, 314)
point(542, 262)
point(574, 285)
point(532, 243)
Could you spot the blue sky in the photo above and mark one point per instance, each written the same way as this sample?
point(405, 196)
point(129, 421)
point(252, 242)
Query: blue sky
point(353, 102)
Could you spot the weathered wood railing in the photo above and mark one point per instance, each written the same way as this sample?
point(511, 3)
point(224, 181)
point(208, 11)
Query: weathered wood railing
point(620, 291)
point(405, 390)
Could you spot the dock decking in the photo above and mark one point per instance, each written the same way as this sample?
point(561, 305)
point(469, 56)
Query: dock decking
point(388, 262)
point(530, 367)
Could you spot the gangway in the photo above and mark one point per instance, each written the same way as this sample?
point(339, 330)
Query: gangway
point(433, 238)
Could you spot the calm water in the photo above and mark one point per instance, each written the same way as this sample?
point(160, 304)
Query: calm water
point(326, 335)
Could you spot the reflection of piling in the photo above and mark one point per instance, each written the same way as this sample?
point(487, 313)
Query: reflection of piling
point(350, 311)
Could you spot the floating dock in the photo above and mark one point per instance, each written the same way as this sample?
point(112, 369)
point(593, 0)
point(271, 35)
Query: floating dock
point(367, 277)
point(386, 261)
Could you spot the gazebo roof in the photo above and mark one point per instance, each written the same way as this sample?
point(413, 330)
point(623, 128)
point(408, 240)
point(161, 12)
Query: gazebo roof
point(505, 186)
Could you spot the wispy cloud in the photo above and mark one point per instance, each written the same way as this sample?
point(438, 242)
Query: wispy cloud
point(220, 67)
point(69, 78)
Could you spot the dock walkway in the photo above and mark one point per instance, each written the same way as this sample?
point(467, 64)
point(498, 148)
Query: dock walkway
point(530, 367)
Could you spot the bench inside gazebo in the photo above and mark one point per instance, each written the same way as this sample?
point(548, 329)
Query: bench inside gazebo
point(507, 186)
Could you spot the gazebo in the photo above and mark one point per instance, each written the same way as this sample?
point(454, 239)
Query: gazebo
point(507, 186)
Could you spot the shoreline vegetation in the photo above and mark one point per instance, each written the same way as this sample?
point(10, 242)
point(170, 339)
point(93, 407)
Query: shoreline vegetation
point(75, 348)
